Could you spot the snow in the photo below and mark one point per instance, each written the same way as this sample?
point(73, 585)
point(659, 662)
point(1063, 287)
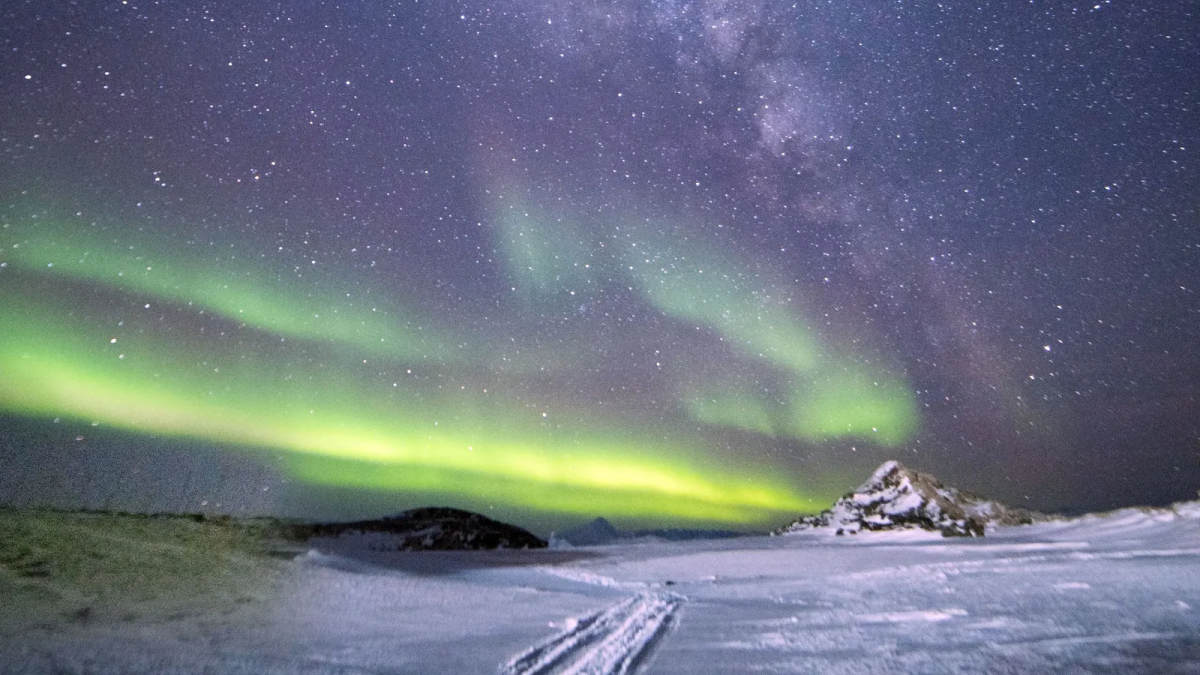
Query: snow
point(882, 472)
point(906, 502)
point(604, 642)
point(1116, 593)
point(908, 617)
point(585, 577)
point(898, 498)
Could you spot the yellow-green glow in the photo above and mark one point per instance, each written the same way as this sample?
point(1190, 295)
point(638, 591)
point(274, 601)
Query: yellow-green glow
point(296, 302)
point(831, 395)
point(848, 402)
point(338, 434)
point(759, 318)
point(546, 254)
point(736, 410)
point(739, 506)
point(343, 422)
point(693, 285)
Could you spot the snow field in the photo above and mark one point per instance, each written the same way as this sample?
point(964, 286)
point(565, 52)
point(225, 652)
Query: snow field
point(609, 642)
point(1114, 594)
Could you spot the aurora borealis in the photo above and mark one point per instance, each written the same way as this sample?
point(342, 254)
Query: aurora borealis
point(348, 430)
point(675, 262)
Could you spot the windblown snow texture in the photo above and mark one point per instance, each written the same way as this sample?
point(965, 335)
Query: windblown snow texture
point(608, 642)
point(896, 497)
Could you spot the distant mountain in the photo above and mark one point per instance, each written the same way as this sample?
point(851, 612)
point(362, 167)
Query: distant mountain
point(896, 497)
point(595, 533)
point(425, 529)
point(600, 532)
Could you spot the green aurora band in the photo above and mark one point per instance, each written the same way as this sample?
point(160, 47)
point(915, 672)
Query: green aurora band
point(831, 395)
point(246, 292)
point(282, 370)
point(547, 255)
point(338, 434)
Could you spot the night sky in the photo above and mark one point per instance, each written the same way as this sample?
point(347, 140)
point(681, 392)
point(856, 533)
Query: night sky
point(671, 262)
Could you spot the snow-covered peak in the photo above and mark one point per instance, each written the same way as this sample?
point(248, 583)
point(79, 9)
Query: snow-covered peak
point(884, 470)
point(896, 497)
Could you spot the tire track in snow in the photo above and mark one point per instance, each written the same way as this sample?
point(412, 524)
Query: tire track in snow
point(611, 641)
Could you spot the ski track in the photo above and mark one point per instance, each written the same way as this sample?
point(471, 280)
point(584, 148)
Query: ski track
point(607, 642)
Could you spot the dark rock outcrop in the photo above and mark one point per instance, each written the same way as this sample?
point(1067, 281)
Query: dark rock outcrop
point(897, 498)
point(425, 529)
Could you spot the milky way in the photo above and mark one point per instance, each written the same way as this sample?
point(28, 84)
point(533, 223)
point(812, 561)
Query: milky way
point(701, 262)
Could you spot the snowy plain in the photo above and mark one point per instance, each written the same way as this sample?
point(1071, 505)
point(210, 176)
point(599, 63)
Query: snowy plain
point(1115, 593)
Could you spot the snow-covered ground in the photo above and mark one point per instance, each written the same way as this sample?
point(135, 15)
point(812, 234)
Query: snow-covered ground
point(1112, 594)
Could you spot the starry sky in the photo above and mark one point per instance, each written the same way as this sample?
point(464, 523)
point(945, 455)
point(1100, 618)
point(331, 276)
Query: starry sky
point(672, 262)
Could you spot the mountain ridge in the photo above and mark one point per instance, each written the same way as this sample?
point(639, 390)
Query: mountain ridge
point(433, 528)
point(898, 498)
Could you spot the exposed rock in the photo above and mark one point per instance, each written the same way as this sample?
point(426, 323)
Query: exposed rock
point(425, 529)
point(896, 497)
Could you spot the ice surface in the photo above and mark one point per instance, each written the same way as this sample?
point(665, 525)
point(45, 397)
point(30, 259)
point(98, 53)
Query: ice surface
point(1101, 594)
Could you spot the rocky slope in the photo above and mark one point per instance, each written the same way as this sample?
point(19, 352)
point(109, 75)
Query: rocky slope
point(896, 497)
point(425, 529)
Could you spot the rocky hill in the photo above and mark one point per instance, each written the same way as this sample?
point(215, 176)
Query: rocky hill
point(425, 529)
point(896, 497)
